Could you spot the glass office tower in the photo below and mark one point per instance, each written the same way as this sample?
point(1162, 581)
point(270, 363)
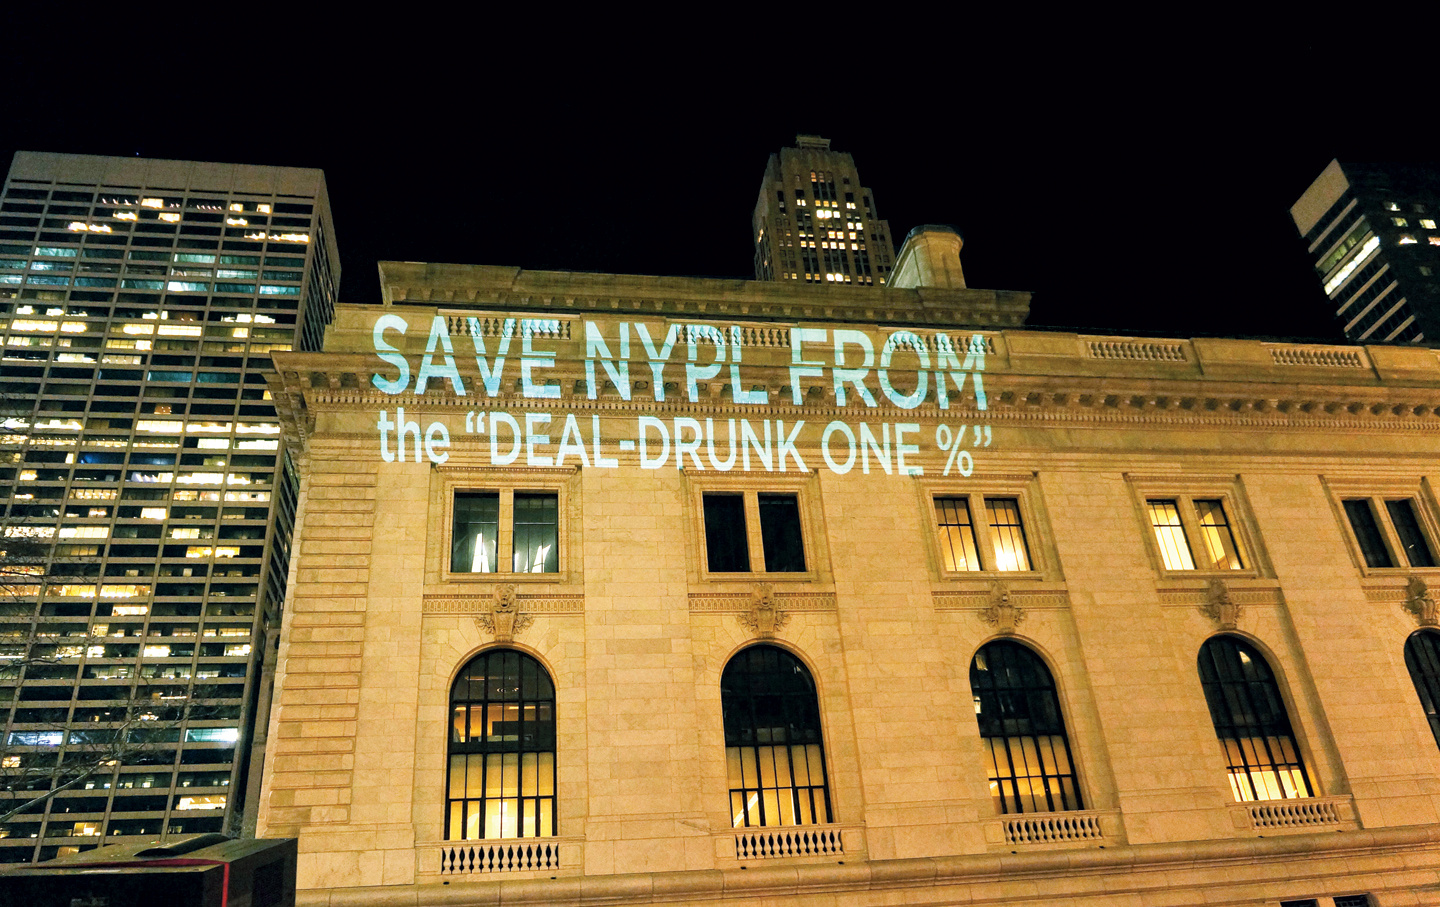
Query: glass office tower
point(145, 499)
point(1371, 230)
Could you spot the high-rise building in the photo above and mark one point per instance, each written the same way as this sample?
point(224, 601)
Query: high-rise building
point(815, 223)
point(141, 458)
point(1372, 231)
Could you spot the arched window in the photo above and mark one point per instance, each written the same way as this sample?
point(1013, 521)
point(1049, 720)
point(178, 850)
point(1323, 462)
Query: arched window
point(1022, 731)
point(1251, 722)
point(774, 750)
point(1422, 657)
point(501, 780)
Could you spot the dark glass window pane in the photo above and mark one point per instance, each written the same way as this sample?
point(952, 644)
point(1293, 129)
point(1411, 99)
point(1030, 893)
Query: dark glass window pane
point(1367, 533)
point(1412, 539)
point(1422, 657)
point(1249, 715)
point(1026, 751)
point(477, 526)
point(774, 748)
point(537, 532)
point(726, 546)
point(501, 771)
point(780, 533)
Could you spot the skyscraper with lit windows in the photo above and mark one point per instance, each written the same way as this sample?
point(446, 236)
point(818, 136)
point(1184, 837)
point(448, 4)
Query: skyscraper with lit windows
point(141, 301)
point(815, 223)
point(1372, 232)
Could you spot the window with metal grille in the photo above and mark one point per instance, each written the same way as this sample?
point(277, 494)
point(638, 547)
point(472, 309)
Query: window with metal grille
point(1422, 657)
point(1022, 732)
point(774, 748)
point(1352, 900)
point(501, 777)
point(1261, 754)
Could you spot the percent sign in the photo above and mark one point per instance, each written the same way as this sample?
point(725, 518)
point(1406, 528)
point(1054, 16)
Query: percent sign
point(954, 442)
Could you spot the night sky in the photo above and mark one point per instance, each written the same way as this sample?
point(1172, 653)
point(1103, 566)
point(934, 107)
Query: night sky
point(1129, 191)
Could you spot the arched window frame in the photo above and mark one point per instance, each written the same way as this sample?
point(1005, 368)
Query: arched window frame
point(1251, 717)
point(772, 781)
point(1030, 765)
point(1422, 659)
point(500, 782)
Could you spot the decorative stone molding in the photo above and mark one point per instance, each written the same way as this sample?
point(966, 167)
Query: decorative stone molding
point(763, 619)
point(982, 599)
point(505, 619)
point(481, 604)
point(1137, 350)
point(1319, 356)
point(744, 602)
point(1003, 614)
point(1198, 597)
point(1220, 606)
point(1420, 603)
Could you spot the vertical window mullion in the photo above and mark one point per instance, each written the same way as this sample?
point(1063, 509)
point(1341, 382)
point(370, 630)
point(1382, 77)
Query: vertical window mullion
point(753, 540)
point(1392, 538)
point(505, 547)
point(984, 535)
point(1199, 551)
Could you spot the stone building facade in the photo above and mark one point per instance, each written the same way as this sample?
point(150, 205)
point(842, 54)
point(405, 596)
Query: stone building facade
point(746, 475)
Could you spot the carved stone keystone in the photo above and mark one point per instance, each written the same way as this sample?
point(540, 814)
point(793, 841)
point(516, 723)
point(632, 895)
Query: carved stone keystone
point(1003, 615)
point(763, 619)
point(1220, 607)
point(505, 620)
point(1419, 602)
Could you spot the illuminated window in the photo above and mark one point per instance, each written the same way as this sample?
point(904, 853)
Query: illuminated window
point(1178, 521)
point(774, 744)
point(533, 542)
point(501, 774)
point(1261, 755)
point(1022, 732)
point(1398, 221)
point(1405, 240)
point(1391, 206)
point(1427, 223)
point(995, 543)
point(1386, 528)
point(731, 546)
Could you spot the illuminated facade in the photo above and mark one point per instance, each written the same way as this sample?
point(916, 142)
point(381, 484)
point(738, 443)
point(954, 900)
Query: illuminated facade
point(1371, 229)
point(815, 223)
point(636, 590)
point(142, 300)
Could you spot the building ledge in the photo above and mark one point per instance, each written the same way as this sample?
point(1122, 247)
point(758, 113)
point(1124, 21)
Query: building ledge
point(836, 880)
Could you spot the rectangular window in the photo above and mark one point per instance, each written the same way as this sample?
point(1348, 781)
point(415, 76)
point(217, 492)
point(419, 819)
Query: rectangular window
point(727, 545)
point(957, 534)
point(477, 531)
point(780, 533)
point(532, 545)
point(1389, 531)
point(1407, 527)
point(1367, 533)
point(1194, 534)
point(1170, 534)
point(537, 525)
point(1008, 534)
point(968, 544)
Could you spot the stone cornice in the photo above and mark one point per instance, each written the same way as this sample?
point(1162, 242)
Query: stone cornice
point(557, 292)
